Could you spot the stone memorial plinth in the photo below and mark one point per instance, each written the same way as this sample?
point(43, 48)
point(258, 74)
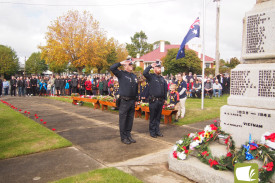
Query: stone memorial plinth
point(251, 104)
point(253, 85)
point(242, 121)
point(198, 171)
point(258, 33)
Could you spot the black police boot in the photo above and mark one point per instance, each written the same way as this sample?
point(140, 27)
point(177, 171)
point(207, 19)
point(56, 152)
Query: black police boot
point(126, 141)
point(132, 140)
point(154, 136)
point(159, 134)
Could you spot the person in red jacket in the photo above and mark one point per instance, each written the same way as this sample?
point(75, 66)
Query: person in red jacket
point(88, 86)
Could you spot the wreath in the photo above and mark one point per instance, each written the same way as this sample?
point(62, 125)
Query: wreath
point(199, 142)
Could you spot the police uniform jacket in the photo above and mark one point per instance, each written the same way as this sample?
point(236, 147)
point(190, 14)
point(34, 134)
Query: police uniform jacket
point(181, 88)
point(157, 84)
point(128, 83)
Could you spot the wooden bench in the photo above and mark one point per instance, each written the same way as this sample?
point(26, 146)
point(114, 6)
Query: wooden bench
point(94, 101)
point(167, 114)
point(137, 111)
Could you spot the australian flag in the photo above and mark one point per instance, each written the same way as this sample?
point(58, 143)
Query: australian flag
point(194, 31)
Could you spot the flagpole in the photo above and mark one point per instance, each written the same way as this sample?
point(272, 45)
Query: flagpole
point(203, 51)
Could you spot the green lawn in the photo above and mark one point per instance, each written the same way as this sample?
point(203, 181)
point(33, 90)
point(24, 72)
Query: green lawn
point(106, 175)
point(63, 99)
point(20, 135)
point(194, 113)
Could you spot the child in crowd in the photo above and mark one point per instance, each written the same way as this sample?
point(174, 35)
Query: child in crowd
point(43, 88)
point(67, 88)
point(174, 98)
point(49, 86)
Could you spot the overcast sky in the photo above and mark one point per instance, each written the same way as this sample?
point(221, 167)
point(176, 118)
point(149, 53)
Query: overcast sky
point(23, 23)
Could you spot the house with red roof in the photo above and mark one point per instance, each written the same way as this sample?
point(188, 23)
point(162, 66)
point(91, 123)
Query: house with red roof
point(161, 52)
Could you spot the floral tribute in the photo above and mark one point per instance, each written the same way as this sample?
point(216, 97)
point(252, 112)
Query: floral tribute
point(197, 145)
point(168, 107)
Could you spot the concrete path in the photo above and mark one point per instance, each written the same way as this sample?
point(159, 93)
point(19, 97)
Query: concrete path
point(96, 144)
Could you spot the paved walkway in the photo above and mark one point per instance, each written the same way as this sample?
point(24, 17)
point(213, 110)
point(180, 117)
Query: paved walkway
point(96, 144)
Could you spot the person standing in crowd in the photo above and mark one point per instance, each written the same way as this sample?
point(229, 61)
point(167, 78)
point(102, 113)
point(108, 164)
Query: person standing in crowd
point(28, 87)
point(13, 84)
point(208, 88)
point(48, 88)
point(128, 91)
point(100, 86)
point(81, 85)
point(24, 86)
point(105, 86)
point(62, 81)
point(20, 86)
point(110, 85)
point(57, 84)
point(196, 90)
point(157, 97)
point(1, 87)
point(181, 89)
point(74, 84)
point(94, 85)
point(67, 87)
point(6, 86)
point(227, 84)
point(38, 80)
point(88, 86)
point(51, 82)
point(33, 85)
point(174, 99)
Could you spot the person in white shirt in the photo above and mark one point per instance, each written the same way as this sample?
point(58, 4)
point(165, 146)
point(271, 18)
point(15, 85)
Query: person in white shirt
point(217, 88)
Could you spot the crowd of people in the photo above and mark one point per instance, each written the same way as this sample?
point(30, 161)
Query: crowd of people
point(105, 84)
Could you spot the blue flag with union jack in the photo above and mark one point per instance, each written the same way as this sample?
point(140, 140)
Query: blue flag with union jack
point(194, 31)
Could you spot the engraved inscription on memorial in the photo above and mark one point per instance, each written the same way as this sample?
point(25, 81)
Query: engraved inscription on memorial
point(256, 33)
point(266, 83)
point(240, 82)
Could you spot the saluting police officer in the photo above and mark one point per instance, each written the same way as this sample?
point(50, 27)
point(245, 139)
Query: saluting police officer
point(157, 97)
point(128, 91)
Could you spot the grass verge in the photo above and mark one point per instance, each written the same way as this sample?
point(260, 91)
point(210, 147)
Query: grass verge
point(106, 175)
point(194, 113)
point(20, 135)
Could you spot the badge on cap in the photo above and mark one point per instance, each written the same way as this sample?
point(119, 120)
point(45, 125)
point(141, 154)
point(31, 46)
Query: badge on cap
point(158, 62)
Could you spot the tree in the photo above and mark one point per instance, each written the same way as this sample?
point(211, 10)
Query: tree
point(115, 52)
point(189, 63)
point(9, 63)
point(35, 65)
point(76, 39)
point(222, 63)
point(139, 45)
point(233, 63)
point(56, 68)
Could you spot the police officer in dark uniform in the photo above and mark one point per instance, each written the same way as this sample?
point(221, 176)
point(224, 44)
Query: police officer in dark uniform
point(128, 91)
point(157, 97)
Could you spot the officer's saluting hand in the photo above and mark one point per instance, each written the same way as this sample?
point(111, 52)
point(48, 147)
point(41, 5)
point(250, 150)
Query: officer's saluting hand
point(128, 92)
point(157, 97)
